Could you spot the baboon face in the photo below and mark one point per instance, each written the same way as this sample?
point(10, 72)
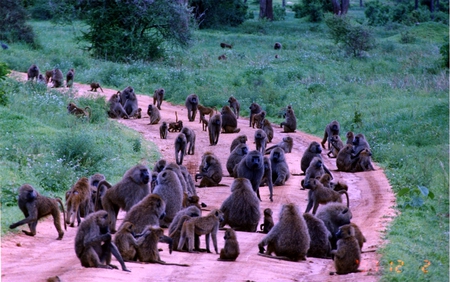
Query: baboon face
point(27, 193)
point(229, 234)
point(254, 160)
point(141, 176)
point(102, 221)
point(253, 107)
point(277, 155)
point(345, 231)
point(219, 215)
point(268, 212)
point(349, 149)
point(315, 148)
point(289, 139)
point(365, 153)
point(316, 162)
point(358, 138)
point(225, 110)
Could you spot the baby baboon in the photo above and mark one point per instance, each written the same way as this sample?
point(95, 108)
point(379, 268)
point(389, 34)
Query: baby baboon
point(129, 100)
point(190, 140)
point(93, 244)
point(241, 139)
point(214, 126)
point(325, 179)
point(363, 162)
point(319, 246)
point(350, 137)
point(336, 146)
point(315, 170)
point(225, 45)
point(153, 114)
point(191, 104)
point(334, 215)
point(177, 224)
point(257, 119)
point(267, 177)
point(241, 208)
point(206, 225)
point(360, 143)
point(222, 57)
point(210, 171)
point(331, 129)
point(79, 197)
point(234, 105)
point(235, 157)
point(252, 168)
point(289, 238)
point(203, 111)
point(318, 194)
point(204, 123)
point(41, 79)
point(158, 97)
point(229, 121)
point(70, 76)
point(191, 201)
point(170, 190)
point(277, 46)
point(73, 109)
point(95, 86)
point(33, 72)
point(180, 148)
point(268, 221)
point(147, 250)
point(280, 168)
point(57, 78)
point(230, 250)
point(35, 206)
point(347, 256)
point(133, 187)
point(116, 109)
point(290, 122)
point(254, 109)
point(48, 75)
point(163, 129)
point(313, 150)
point(344, 160)
point(126, 242)
point(260, 140)
point(268, 129)
point(287, 144)
point(175, 126)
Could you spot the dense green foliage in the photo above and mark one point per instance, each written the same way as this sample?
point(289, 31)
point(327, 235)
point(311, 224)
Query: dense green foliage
point(216, 13)
point(13, 26)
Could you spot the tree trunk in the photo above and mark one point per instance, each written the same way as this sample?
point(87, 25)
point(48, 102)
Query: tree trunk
point(432, 9)
point(344, 6)
point(265, 9)
point(262, 9)
point(361, 3)
point(336, 7)
point(416, 4)
point(283, 3)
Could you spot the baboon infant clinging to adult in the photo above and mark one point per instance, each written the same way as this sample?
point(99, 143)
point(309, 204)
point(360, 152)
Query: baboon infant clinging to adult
point(231, 249)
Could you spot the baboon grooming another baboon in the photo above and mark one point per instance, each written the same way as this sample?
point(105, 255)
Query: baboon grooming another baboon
point(35, 206)
point(241, 139)
point(33, 72)
point(241, 208)
point(57, 78)
point(234, 105)
point(360, 143)
point(73, 109)
point(126, 242)
point(230, 250)
point(153, 114)
point(163, 129)
point(70, 77)
point(116, 109)
point(268, 129)
point(158, 97)
point(214, 126)
point(190, 140)
point(78, 198)
point(318, 194)
point(319, 246)
point(347, 256)
point(229, 121)
point(180, 148)
point(210, 170)
point(258, 119)
point(363, 161)
point(280, 168)
point(225, 45)
point(334, 215)
point(260, 140)
point(252, 168)
point(95, 86)
point(191, 105)
point(235, 157)
point(289, 238)
point(331, 129)
point(268, 221)
point(290, 122)
point(286, 145)
point(177, 224)
point(170, 190)
point(254, 109)
point(277, 46)
point(93, 245)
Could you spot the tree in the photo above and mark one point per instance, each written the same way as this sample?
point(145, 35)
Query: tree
point(13, 25)
point(215, 13)
point(265, 9)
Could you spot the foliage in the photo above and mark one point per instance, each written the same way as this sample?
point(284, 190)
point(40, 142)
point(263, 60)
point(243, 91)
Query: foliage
point(406, 37)
point(414, 198)
point(279, 13)
point(215, 13)
point(13, 26)
point(312, 9)
point(4, 71)
point(444, 53)
point(377, 13)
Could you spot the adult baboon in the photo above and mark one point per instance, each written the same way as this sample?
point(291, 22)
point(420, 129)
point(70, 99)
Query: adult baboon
point(315, 170)
point(230, 250)
point(191, 104)
point(319, 246)
point(190, 184)
point(57, 78)
point(260, 140)
point(334, 215)
point(133, 187)
point(130, 102)
point(289, 238)
point(70, 76)
point(225, 45)
point(170, 190)
point(241, 208)
point(214, 126)
point(350, 137)
point(79, 196)
point(336, 146)
point(190, 140)
point(363, 161)
point(234, 105)
point(252, 168)
point(35, 206)
point(360, 143)
point(158, 97)
point(73, 109)
point(206, 225)
point(33, 72)
point(159, 165)
point(241, 139)
point(180, 148)
point(268, 129)
point(290, 122)
point(177, 224)
point(153, 114)
point(318, 194)
point(116, 109)
point(229, 121)
point(235, 157)
point(125, 93)
point(163, 129)
point(277, 46)
point(93, 244)
point(126, 242)
point(146, 212)
point(287, 144)
point(254, 109)
point(313, 150)
point(344, 160)
point(257, 119)
point(268, 224)
point(48, 75)
point(95, 86)
point(41, 79)
point(347, 256)
point(175, 126)
point(222, 57)
point(280, 168)
point(267, 177)
point(210, 170)
point(331, 129)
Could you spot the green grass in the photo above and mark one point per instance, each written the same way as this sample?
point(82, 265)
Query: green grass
point(400, 91)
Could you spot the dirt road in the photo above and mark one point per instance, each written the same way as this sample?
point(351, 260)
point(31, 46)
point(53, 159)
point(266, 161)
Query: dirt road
point(36, 258)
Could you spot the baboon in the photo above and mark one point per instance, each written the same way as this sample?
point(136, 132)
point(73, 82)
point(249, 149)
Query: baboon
point(234, 105)
point(241, 208)
point(124, 94)
point(214, 126)
point(229, 121)
point(289, 238)
point(318, 194)
point(129, 100)
point(191, 201)
point(163, 129)
point(177, 224)
point(70, 76)
point(190, 139)
point(153, 181)
point(344, 160)
point(315, 170)
point(190, 184)
point(280, 168)
point(158, 97)
point(230, 250)
point(235, 157)
point(73, 109)
point(33, 72)
point(267, 177)
point(159, 165)
point(180, 148)
point(222, 57)
point(347, 256)
point(241, 139)
point(204, 123)
point(325, 179)
point(334, 215)
point(203, 111)
point(133, 187)
point(170, 190)
point(287, 144)
point(350, 137)
point(126, 242)
point(48, 75)
point(225, 45)
point(210, 171)
point(313, 150)
point(359, 235)
point(41, 79)
point(191, 104)
point(79, 198)
point(116, 109)
point(260, 140)
point(277, 46)
point(290, 122)
point(336, 146)
point(268, 221)
point(54, 279)
point(95, 86)
point(363, 162)
point(254, 109)
point(35, 206)
point(175, 126)
point(360, 143)
point(94, 181)
point(177, 169)
point(331, 129)
point(206, 225)
point(252, 168)
point(257, 119)
point(319, 246)
point(57, 78)
point(268, 129)
point(153, 114)
point(93, 244)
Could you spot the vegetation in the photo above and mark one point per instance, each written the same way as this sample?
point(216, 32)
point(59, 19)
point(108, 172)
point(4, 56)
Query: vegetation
point(396, 93)
point(13, 26)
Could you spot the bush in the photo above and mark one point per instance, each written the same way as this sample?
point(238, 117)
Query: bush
point(313, 9)
point(215, 13)
point(279, 13)
point(4, 71)
point(13, 25)
point(377, 13)
point(444, 53)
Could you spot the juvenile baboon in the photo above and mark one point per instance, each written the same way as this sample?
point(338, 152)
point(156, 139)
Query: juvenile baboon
point(254, 109)
point(268, 221)
point(290, 122)
point(94, 181)
point(347, 256)
point(190, 140)
point(336, 146)
point(325, 179)
point(126, 242)
point(235, 157)
point(315, 170)
point(70, 76)
point(158, 97)
point(241, 208)
point(79, 197)
point(191, 104)
point(48, 75)
point(191, 201)
point(203, 111)
point(287, 144)
point(319, 246)
point(210, 171)
point(206, 225)
point(33, 72)
point(360, 143)
point(241, 139)
point(175, 126)
point(225, 45)
point(95, 86)
point(73, 109)
point(267, 177)
point(313, 150)
point(214, 126)
point(350, 137)
point(268, 129)
point(222, 57)
point(180, 148)
point(229, 121)
point(277, 46)
point(257, 119)
point(129, 100)
point(93, 244)
point(153, 114)
point(57, 78)
point(41, 79)
point(260, 140)
point(280, 168)
point(230, 250)
point(331, 129)
point(363, 161)
point(252, 168)
point(35, 206)
point(318, 194)
point(204, 123)
point(334, 215)
point(170, 190)
point(133, 187)
point(177, 224)
point(163, 129)
point(234, 105)
point(289, 238)
point(116, 109)
point(359, 235)
point(344, 160)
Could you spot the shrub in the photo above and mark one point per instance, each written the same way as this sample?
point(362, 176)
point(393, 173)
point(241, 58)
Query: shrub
point(444, 53)
point(377, 13)
point(279, 13)
point(215, 13)
point(13, 26)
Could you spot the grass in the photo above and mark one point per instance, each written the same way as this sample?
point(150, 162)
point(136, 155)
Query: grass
point(396, 94)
